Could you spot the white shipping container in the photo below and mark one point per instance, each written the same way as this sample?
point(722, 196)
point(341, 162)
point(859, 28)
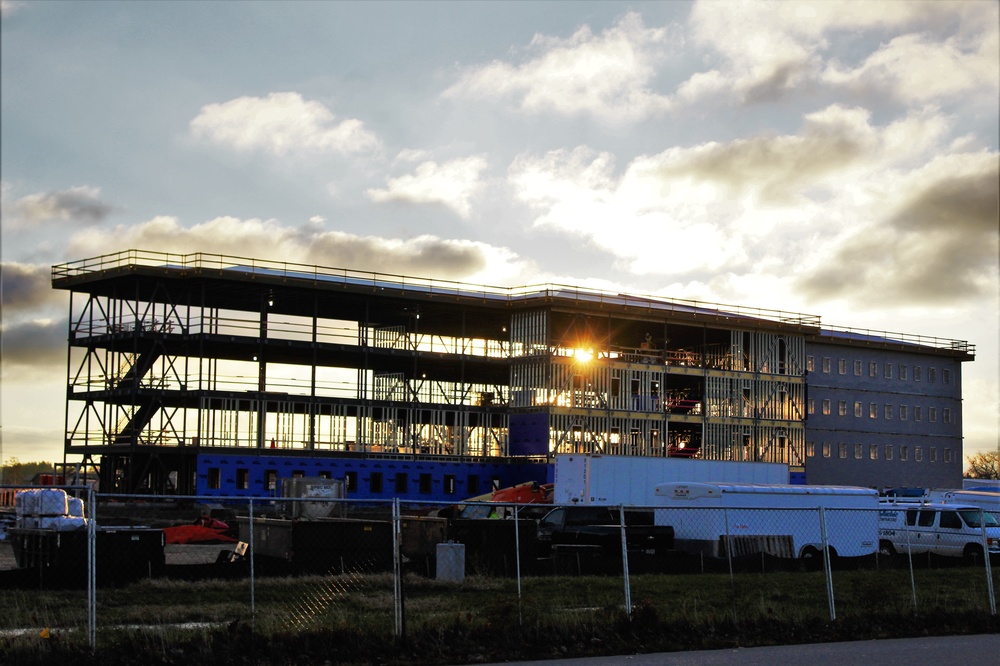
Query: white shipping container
point(629, 480)
point(780, 519)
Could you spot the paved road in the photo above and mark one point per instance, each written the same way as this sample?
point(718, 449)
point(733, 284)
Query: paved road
point(979, 650)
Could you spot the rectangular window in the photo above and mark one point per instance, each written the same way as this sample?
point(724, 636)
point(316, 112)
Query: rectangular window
point(842, 408)
point(903, 453)
point(857, 368)
point(811, 449)
point(888, 451)
point(242, 478)
point(902, 412)
point(872, 369)
point(826, 449)
point(842, 366)
point(857, 409)
point(472, 485)
point(947, 454)
point(826, 364)
point(449, 484)
point(811, 406)
point(214, 478)
point(873, 451)
point(425, 484)
point(271, 479)
point(351, 479)
point(933, 454)
point(888, 371)
point(917, 413)
point(375, 482)
point(946, 414)
point(810, 363)
point(401, 484)
point(842, 450)
point(931, 375)
point(916, 373)
point(902, 371)
point(858, 451)
point(932, 414)
point(872, 410)
point(826, 407)
point(888, 412)
point(918, 453)
point(945, 376)
point(297, 474)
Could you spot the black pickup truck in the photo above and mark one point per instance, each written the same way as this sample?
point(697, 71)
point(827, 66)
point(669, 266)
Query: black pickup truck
point(600, 527)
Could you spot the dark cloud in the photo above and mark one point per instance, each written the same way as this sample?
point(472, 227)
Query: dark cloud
point(75, 204)
point(940, 248)
point(776, 167)
point(427, 256)
point(34, 343)
point(26, 287)
point(772, 88)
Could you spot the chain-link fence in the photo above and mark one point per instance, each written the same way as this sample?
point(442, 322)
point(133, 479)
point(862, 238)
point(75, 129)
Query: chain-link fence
point(169, 568)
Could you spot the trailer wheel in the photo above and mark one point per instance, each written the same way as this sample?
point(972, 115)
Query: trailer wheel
point(973, 553)
point(886, 549)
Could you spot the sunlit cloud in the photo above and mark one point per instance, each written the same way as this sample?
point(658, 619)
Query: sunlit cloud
point(453, 184)
point(773, 49)
point(281, 123)
point(608, 75)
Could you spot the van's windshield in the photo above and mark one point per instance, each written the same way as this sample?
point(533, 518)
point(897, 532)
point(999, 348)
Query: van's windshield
point(971, 518)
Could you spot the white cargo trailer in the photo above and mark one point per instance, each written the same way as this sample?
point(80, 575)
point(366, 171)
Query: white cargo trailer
point(780, 519)
point(629, 480)
point(987, 501)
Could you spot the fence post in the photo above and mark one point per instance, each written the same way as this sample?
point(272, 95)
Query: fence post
point(729, 559)
point(92, 569)
point(827, 571)
point(517, 563)
point(253, 594)
point(986, 559)
point(628, 587)
point(397, 573)
point(909, 557)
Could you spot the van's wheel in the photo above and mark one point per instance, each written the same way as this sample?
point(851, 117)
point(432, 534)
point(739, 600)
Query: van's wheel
point(811, 559)
point(973, 553)
point(886, 549)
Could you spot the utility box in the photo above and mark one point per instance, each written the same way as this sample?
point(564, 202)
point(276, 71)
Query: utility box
point(451, 562)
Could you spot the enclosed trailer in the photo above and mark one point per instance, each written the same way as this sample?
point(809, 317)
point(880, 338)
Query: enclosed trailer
point(629, 480)
point(985, 500)
point(720, 519)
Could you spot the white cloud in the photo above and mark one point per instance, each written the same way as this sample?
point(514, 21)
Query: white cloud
point(453, 184)
point(919, 69)
point(607, 76)
point(281, 123)
point(772, 48)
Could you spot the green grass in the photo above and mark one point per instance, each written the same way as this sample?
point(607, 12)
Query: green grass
point(350, 618)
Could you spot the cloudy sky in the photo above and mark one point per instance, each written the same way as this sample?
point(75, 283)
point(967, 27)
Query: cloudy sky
point(835, 159)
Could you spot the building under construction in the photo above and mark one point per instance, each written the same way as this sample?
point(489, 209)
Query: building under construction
point(220, 375)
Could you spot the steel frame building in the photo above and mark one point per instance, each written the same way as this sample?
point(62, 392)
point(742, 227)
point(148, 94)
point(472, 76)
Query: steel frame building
point(205, 373)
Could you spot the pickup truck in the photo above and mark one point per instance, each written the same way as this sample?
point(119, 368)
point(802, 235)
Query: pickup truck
point(600, 527)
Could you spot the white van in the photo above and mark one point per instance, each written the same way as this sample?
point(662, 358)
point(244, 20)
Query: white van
point(779, 519)
point(940, 528)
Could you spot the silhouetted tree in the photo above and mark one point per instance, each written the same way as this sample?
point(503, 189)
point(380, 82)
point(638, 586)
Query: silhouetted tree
point(985, 465)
